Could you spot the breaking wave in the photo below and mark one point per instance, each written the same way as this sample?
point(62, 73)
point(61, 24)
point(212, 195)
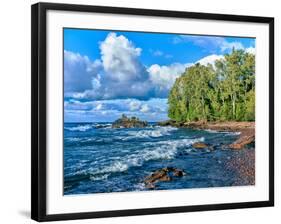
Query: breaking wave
point(163, 150)
point(87, 127)
point(79, 128)
point(158, 132)
point(223, 132)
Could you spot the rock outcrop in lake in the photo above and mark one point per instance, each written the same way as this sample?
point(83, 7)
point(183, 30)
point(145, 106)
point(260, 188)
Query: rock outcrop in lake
point(164, 174)
point(129, 122)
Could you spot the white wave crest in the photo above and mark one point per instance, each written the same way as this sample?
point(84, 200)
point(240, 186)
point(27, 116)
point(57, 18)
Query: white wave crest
point(79, 128)
point(223, 132)
point(99, 177)
point(73, 139)
point(153, 151)
point(102, 125)
point(158, 132)
point(233, 133)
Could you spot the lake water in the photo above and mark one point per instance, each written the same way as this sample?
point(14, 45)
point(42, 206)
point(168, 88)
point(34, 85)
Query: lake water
point(100, 159)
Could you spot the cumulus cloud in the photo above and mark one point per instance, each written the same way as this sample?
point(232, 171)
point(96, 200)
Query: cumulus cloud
point(145, 108)
point(163, 77)
point(99, 106)
point(120, 59)
point(251, 50)
point(134, 105)
point(119, 74)
point(211, 59)
point(79, 71)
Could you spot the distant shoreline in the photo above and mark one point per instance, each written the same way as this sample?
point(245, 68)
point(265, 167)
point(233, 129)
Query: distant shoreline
point(246, 129)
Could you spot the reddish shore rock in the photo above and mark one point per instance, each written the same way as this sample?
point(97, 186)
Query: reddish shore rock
point(247, 136)
point(222, 126)
point(163, 174)
point(246, 129)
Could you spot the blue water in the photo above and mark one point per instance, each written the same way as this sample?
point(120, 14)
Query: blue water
point(100, 160)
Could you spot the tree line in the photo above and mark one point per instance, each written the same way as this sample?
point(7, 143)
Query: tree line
point(220, 92)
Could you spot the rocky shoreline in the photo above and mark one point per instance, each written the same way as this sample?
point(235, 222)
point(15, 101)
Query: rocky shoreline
point(246, 129)
point(244, 167)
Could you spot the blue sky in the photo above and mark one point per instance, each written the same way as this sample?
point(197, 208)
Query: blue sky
point(108, 73)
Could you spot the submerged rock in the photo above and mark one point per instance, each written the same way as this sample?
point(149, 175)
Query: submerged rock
point(164, 174)
point(199, 145)
point(127, 122)
point(202, 145)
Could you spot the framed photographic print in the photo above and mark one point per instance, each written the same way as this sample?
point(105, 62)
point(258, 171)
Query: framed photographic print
point(139, 111)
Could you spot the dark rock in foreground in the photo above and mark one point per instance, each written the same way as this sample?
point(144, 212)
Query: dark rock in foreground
point(127, 122)
point(164, 174)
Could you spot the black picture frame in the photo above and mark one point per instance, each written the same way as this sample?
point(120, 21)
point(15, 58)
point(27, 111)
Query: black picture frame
point(39, 108)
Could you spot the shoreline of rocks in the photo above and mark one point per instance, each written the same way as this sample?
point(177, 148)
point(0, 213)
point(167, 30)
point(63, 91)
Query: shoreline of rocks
point(246, 129)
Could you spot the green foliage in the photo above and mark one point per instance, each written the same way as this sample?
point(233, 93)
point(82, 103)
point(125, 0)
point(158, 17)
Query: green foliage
point(225, 91)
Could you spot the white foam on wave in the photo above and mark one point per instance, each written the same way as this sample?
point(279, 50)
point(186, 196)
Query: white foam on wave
point(79, 128)
point(140, 187)
point(73, 139)
point(154, 133)
point(101, 177)
point(153, 151)
point(223, 132)
point(87, 127)
point(233, 133)
point(102, 125)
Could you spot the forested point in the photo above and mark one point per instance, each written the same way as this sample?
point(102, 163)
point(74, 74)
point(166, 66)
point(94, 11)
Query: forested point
point(225, 91)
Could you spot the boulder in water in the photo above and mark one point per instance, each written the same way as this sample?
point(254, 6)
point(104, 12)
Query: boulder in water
point(164, 174)
point(200, 145)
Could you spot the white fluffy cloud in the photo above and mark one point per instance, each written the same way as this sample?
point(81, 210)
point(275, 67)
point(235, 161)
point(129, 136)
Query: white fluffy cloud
point(79, 71)
point(145, 108)
point(163, 77)
point(134, 105)
point(119, 73)
point(120, 59)
point(211, 59)
point(99, 106)
point(251, 50)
